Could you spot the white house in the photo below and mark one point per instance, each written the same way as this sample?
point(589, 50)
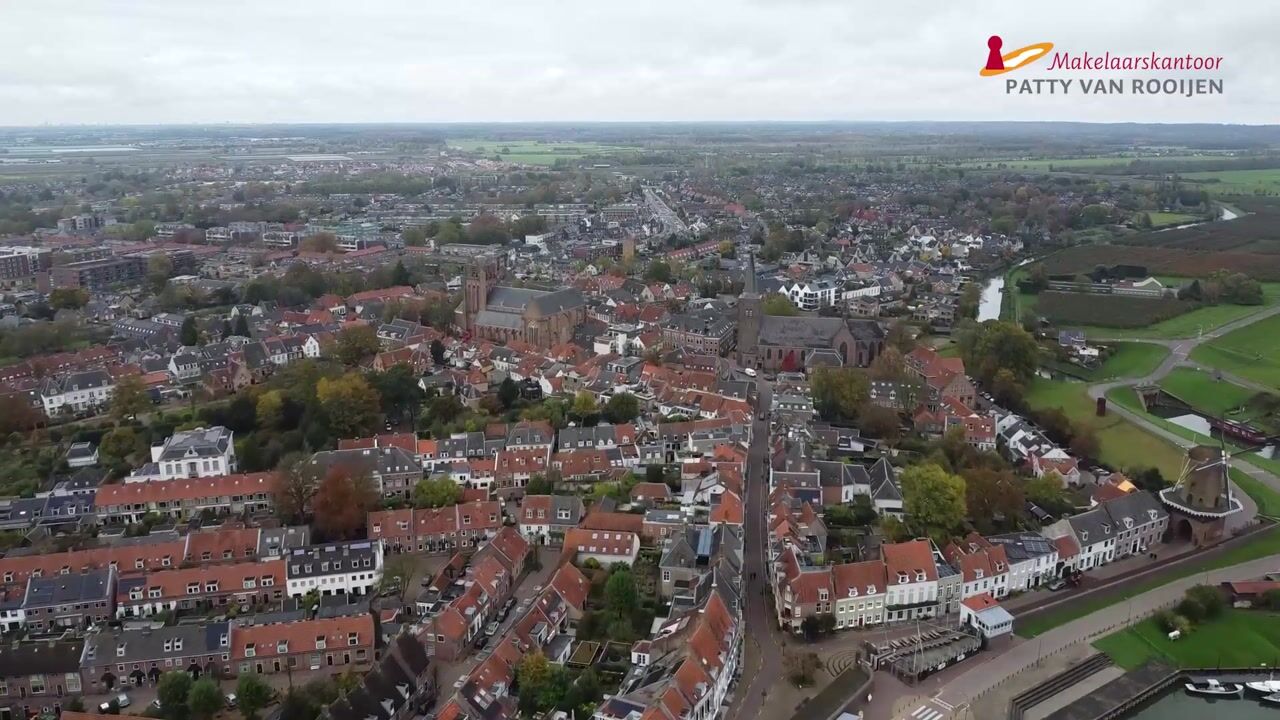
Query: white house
point(351, 568)
point(1033, 559)
point(77, 392)
point(984, 614)
point(911, 579)
point(202, 452)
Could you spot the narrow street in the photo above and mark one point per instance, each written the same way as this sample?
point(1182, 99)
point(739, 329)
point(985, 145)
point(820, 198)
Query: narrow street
point(762, 665)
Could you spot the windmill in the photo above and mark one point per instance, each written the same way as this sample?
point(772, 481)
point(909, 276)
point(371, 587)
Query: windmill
point(1201, 500)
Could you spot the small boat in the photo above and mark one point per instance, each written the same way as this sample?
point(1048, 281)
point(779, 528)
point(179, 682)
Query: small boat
point(1212, 687)
point(1272, 699)
point(1266, 687)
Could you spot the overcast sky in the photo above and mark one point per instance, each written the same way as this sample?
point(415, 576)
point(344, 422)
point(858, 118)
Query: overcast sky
point(188, 61)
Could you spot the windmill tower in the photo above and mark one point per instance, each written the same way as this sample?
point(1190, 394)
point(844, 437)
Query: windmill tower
point(1201, 501)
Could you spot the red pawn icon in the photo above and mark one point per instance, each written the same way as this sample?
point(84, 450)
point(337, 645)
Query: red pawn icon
point(994, 60)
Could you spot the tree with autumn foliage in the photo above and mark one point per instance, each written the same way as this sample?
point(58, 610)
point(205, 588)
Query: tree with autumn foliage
point(342, 502)
point(351, 405)
point(295, 485)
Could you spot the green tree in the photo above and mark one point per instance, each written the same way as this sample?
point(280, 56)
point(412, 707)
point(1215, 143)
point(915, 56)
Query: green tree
point(622, 408)
point(620, 593)
point(1210, 599)
point(189, 335)
point(839, 393)
point(159, 268)
point(252, 694)
point(437, 352)
point(933, 500)
point(68, 298)
point(436, 492)
point(508, 392)
point(270, 409)
point(172, 693)
point(350, 404)
point(1000, 346)
point(778, 304)
point(205, 699)
point(658, 271)
point(119, 445)
point(398, 390)
point(357, 344)
point(414, 236)
point(1048, 492)
point(129, 399)
point(533, 675)
point(584, 405)
point(242, 326)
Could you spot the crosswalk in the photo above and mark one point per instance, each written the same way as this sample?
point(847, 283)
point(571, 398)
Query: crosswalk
point(935, 709)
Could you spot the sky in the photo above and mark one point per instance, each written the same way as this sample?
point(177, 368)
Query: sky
point(283, 61)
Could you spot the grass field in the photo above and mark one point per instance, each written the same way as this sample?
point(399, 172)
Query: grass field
point(1131, 360)
point(1252, 351)
point(1238, 182)
point(1124, 445)
point(1083, 163)
point(1262, 544)
point(1239, 638)
point(534, 152)
point(1127, 398)
point(1163, 219)
point(1204, 393)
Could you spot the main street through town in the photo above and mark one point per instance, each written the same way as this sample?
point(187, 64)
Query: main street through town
point(763, 655)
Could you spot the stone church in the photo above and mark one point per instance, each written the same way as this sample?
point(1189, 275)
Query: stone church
point(489, 311)
point(773, 343)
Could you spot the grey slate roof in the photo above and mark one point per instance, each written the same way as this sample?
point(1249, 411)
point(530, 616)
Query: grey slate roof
point(92, 586)
point(149, 644)
point(201, 442)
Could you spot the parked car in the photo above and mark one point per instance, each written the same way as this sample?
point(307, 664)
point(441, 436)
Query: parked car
point(1057, 585)
point(491, 629)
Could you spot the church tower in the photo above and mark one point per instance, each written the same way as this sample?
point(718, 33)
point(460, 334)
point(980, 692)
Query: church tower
point(480, 272)
point(749, 316)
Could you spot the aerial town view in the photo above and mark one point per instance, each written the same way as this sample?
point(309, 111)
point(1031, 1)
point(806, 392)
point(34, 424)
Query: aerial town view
point(747, 360)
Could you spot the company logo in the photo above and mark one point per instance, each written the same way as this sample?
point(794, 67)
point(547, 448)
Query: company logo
point(998, 64)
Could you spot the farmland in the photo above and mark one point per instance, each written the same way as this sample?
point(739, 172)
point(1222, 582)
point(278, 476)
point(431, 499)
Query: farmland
point(1251, 352)
point(534, 152)
point(1118, 311)
point(1238, 182)
point(1171, 260)
point(1112, 163)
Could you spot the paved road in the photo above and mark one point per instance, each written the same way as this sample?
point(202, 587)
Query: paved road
point(763, 658)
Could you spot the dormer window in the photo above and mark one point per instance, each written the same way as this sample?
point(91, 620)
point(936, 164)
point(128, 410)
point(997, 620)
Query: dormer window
point(920, 576)
point(871, 589)
point(902, 578)
point(853, 591)
point(1084, 535)
point(977, 574)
